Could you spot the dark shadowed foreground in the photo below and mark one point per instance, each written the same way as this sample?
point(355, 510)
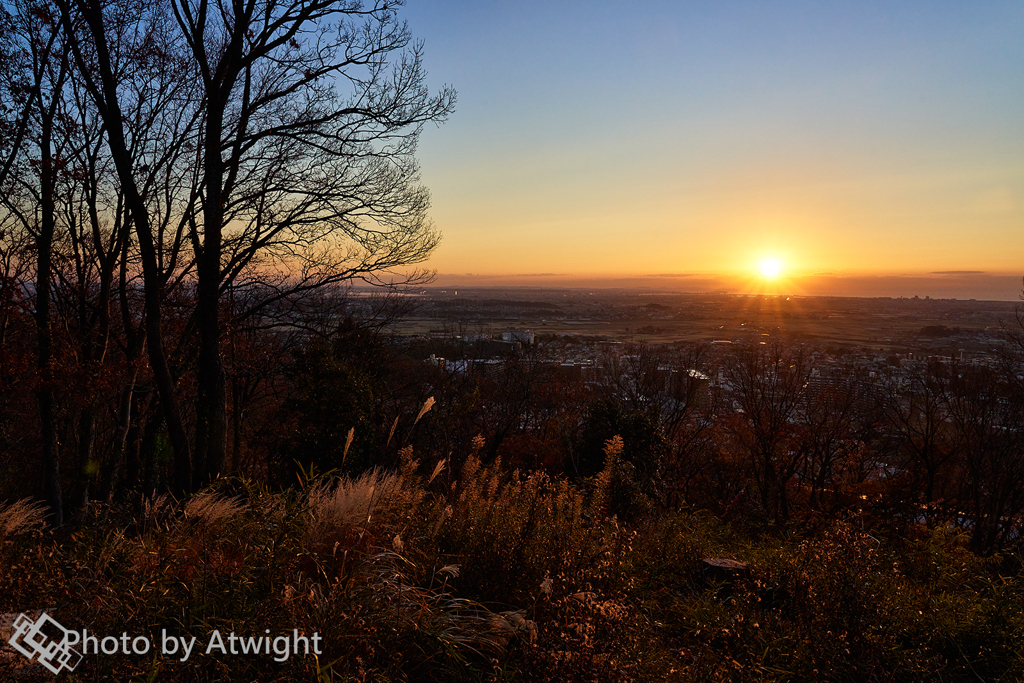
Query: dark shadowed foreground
point(425, 574)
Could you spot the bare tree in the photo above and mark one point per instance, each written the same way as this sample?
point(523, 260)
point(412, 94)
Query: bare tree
point(128, 62)
point(15, 262)
point(312, 112)
point(827, 443)
point(30, 197)
point(769, 384)
point(926, 442)
point(306, 174)
point(1013, 356)
point(21, 56)
point(991, 462)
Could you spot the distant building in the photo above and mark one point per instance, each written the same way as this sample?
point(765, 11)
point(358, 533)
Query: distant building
point(521, 336)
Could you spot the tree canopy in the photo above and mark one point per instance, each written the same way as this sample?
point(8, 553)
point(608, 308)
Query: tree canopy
point(175, 169)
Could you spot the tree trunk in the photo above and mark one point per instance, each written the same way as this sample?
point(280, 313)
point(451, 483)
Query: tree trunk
point(147, 453)
point(106, 97)
point(211, 427)
point(86, 464)
point(118, 448)
point(44, 394)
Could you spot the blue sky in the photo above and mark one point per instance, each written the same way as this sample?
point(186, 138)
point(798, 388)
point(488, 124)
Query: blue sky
point(604, 138)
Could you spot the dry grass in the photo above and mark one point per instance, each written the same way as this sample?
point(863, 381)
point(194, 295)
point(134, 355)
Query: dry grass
point(507, 576)
point(352, 503)
point(156, 511)
point(213, 509)
point(21, 517)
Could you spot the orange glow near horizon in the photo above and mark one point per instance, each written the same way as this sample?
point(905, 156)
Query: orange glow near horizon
point(864, 161)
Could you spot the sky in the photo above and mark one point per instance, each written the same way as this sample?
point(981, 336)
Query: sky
point(866, 146)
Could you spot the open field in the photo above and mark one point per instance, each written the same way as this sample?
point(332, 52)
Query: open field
point(626, 315)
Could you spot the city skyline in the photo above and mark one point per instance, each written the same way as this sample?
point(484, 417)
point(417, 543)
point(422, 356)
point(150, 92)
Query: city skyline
point(869, 149)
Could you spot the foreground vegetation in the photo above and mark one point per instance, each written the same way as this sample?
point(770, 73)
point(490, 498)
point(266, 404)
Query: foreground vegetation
point(422, 573)
point(185, 199)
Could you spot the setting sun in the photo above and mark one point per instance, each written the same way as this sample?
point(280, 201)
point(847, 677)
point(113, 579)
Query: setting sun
point(771, 267)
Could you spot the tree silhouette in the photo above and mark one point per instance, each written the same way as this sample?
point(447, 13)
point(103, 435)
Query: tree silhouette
point(301, 119)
